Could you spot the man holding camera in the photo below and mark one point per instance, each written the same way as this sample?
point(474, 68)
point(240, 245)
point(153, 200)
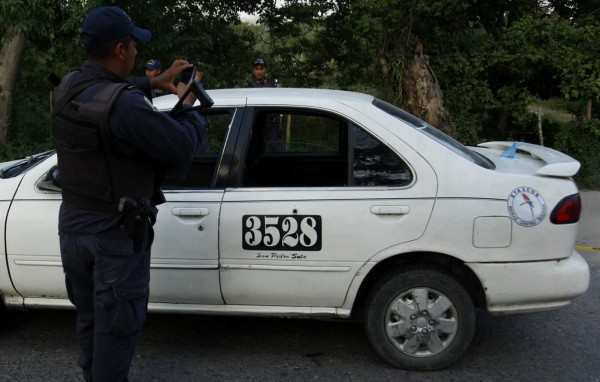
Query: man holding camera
point(113, 148)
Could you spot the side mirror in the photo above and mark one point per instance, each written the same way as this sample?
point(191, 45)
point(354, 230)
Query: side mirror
point(51, 181)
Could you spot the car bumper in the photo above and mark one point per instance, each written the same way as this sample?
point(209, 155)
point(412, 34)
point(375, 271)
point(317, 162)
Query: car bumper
point(512, 288)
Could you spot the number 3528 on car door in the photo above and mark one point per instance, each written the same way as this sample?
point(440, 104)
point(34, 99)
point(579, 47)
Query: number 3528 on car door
point(281, 232)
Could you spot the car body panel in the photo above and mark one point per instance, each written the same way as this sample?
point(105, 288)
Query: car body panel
point(32, 238)
point(185, 261)
point(326, 274)
point(570, 277)
point(204, 259)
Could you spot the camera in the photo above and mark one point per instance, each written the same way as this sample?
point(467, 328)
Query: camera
point(189, 73)
point(196, 87)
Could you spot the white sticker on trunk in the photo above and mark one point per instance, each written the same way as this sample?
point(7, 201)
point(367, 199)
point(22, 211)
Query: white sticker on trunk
point(526, 206)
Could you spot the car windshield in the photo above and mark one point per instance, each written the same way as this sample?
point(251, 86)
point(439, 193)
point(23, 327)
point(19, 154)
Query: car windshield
point(21, 166)
point(434, 133)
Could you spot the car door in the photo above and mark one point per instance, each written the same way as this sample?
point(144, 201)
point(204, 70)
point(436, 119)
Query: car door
point(185, 253)
point(184, 263)
point(311, 206)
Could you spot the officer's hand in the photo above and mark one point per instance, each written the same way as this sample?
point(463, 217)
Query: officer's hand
point(190, 99)
point(165, 80)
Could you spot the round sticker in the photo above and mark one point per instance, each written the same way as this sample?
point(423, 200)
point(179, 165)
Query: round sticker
point(526, 206)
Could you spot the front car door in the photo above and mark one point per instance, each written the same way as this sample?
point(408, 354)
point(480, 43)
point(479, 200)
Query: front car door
point(185, 253)
point(184, 263)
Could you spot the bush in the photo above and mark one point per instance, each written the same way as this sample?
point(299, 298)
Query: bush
point(581, 140)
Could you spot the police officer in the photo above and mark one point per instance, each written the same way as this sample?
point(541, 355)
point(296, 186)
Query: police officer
point(259, 77)
point(153, 69)
point(113, 148)
point(272, 123)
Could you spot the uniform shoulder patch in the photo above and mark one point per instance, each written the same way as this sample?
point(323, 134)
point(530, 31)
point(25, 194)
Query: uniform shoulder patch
point(150, 104)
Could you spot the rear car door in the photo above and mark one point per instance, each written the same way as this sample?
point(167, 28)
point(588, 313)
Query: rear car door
point(312, 202)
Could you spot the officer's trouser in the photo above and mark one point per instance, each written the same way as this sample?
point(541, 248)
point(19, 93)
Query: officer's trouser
point(108, 283)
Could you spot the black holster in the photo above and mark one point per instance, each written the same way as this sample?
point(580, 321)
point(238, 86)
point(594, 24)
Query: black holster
point(135, 217)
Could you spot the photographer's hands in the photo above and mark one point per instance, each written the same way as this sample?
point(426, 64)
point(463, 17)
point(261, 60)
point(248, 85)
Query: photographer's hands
point(181, 90)
point(165, 80)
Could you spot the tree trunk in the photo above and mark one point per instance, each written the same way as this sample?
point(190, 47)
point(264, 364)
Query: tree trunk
point(423, 96)
point(588, 111)
point(10, 58)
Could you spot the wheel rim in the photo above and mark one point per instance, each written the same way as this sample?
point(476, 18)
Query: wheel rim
point(421, 322)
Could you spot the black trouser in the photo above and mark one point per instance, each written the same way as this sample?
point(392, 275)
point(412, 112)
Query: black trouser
point(108, 282)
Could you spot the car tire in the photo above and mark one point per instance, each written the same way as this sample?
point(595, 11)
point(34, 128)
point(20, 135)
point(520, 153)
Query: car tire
point(420, 318)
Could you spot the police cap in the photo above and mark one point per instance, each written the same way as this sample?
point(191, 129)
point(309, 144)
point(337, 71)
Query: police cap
point(259, 62)
point(104, 24)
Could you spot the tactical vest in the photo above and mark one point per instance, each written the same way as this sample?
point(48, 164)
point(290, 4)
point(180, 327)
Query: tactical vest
point(269, 83)
point(93, 175)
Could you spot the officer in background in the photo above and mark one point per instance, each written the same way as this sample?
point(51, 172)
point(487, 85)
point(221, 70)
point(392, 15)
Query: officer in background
point(259, 77)
point(113, 148)
point(153, 69)
point(272, 123)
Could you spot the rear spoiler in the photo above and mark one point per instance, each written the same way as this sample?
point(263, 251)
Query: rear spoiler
point(557, 163)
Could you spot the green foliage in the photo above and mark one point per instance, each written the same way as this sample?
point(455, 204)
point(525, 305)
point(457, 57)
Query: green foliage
point(492, 59)
point(581, 140)
point(471, 104)
point(30, 132)
point(202, 30)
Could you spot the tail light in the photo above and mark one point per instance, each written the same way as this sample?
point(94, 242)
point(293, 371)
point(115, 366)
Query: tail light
point(567, 211)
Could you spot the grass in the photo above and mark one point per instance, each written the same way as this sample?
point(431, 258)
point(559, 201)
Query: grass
point(552, 109)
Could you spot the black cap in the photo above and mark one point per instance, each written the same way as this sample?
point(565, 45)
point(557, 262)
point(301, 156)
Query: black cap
point(104, 24)
point(259, 62)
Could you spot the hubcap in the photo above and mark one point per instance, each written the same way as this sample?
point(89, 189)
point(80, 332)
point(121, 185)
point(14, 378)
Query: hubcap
point(421, 322)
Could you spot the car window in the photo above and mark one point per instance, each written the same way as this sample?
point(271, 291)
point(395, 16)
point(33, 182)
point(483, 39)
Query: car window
point(374, 164)
point(201, 171)
point(301, 148)
point(299, 133)
point(434, 134)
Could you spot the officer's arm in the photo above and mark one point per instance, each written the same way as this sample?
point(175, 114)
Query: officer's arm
point(138, 126)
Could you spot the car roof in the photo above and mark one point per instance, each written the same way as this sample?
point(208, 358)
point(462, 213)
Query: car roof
point(274, 97)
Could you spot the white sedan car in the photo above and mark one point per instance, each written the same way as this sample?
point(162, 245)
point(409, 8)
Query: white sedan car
point(328, 203)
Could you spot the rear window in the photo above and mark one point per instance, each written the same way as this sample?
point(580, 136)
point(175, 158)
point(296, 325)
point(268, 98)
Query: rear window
point(434, 134)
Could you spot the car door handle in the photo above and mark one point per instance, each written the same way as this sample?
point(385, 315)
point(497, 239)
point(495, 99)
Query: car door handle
point(188, 211)
point(390, 210)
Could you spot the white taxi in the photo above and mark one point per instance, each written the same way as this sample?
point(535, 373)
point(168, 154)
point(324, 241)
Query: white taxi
point(329, 203)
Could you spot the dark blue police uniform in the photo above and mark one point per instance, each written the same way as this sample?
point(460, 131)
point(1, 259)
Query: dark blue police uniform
point(98, 256)
point(107, 272)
